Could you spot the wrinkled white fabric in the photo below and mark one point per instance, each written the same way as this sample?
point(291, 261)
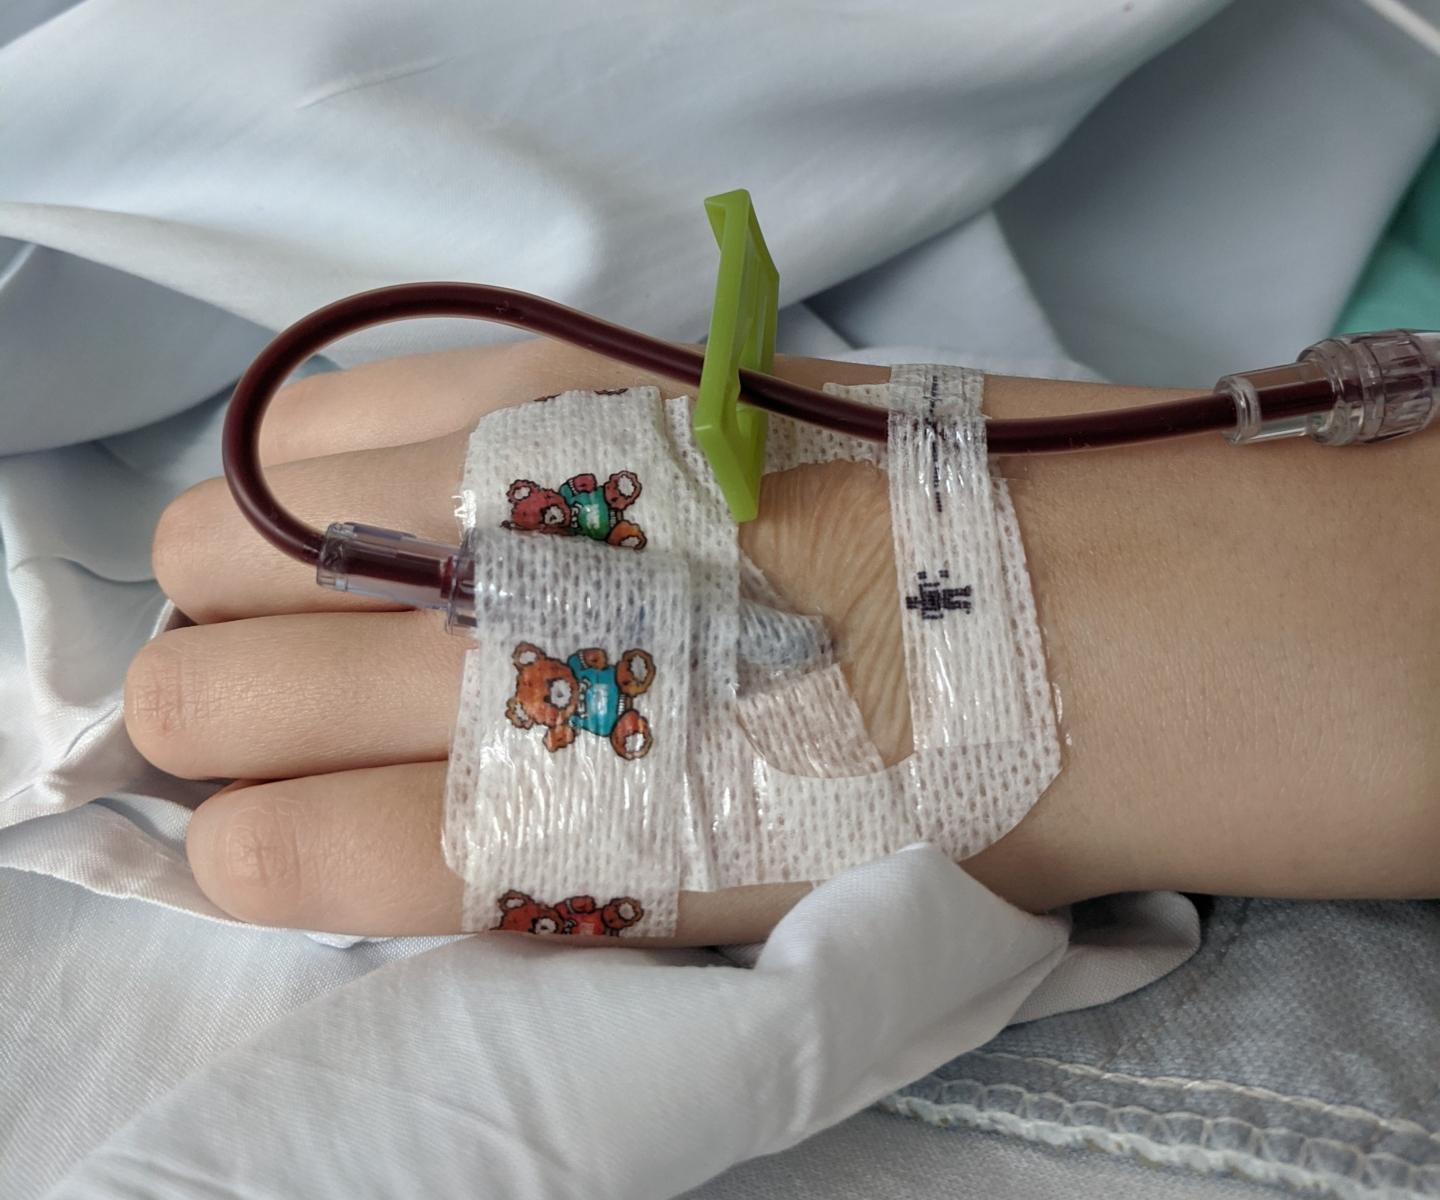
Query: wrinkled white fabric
point(558, 1106)
point(177, 181)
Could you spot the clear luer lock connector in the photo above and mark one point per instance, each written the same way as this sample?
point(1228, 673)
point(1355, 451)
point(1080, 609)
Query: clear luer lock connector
point(1382, 385)
point(402, 568)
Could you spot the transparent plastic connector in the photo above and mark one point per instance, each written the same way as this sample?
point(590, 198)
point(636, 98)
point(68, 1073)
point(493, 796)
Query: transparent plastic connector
point(400, 567)
point(1381, 386)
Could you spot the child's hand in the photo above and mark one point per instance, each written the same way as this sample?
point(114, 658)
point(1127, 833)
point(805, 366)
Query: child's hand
point(345, 705)
point(1244, 640)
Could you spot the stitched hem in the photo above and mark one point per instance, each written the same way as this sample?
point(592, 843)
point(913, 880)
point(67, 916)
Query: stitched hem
point(1349, 1112)
point(1207, 1145)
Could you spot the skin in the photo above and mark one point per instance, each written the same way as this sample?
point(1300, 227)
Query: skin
point(1243, 641)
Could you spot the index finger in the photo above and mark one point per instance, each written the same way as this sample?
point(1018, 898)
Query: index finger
point(216, 567)
point(424, 396)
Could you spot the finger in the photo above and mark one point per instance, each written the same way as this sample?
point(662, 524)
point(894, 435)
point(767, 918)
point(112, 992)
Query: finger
point(360, 852)
point(216, 567)
point(389, 403)
point(355, 852)
point(423, 396)
point(274, 697)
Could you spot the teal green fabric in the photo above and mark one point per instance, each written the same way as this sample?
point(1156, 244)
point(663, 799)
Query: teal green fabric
point(1400, 287)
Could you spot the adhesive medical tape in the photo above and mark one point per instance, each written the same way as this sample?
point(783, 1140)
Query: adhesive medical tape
point(641, 716)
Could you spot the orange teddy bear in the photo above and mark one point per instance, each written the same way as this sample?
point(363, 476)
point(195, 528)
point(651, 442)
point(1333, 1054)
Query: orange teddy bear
point(581, 506)
point(579, 915)
point(584, 692)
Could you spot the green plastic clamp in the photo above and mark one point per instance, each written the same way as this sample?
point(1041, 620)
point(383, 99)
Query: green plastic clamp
point(742, 335)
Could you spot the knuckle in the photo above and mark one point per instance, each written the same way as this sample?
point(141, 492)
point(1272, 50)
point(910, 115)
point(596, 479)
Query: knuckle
point(541, 366)
point(180, 529)
point(302, 391)
point(529, 355)
point(283, 432)
point(165, 698)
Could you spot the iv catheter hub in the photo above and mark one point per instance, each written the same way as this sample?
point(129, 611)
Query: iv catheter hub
point(400, 567)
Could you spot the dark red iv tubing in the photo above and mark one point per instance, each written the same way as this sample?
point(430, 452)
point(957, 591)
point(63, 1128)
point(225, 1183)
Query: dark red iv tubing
point(312, 333)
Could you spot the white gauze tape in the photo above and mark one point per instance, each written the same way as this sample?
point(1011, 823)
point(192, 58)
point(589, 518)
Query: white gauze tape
point(641, 716)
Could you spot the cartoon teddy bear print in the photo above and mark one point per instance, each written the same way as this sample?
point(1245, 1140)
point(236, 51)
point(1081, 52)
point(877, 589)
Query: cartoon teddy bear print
point(578, 916)
point(586, 693)
point(581, 507)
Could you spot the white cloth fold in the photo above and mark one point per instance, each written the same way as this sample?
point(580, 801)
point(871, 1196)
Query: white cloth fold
point(529, 1069)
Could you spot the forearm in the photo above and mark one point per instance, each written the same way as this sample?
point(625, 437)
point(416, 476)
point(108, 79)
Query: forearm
point(1242, 641)
point(1245, 642)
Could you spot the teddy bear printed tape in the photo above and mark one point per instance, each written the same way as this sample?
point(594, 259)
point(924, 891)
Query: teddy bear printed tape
point(636, 726)
point(585, 693)
point(581, 506)
point(579, 915)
